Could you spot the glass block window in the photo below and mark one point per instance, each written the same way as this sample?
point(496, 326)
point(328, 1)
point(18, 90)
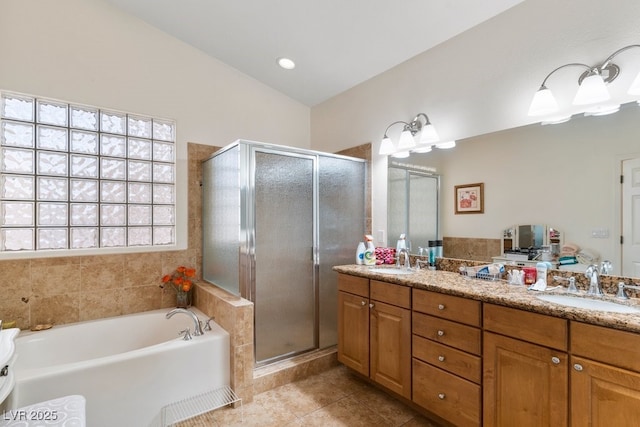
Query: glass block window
point(80, 177)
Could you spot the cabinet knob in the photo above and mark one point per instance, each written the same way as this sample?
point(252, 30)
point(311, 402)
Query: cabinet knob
point(577, 367)
point(441, 358)
point(441, 307)
point(441, 396)
point(555, 360)
point(440, 333)
point(363, 303)
point(371, 305)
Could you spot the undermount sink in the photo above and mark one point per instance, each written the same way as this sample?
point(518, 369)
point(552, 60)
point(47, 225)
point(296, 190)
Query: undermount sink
point(391, 270)
point(589, 303)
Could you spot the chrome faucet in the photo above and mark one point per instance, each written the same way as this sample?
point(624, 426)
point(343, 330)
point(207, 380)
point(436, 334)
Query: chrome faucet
point(407, 261)
point(197, 329)
point(621, 290)
point(593, 274)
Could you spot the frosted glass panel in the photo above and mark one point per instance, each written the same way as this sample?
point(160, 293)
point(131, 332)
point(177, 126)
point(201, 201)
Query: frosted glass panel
point(162, 152)
point(84, 238)
point(17, 134)
point(16, 213)
point(113, 192)
point(84, 166)
point(163, 235)
point(17, 239)
point(52, 113)
point(164, 131)
point(163, 215)
point(84, 190)
point(84, 214)
point(113, 215)
point(52, 138)
point(140, 127)
point(52, 163)
point(84, 142)
point(52, 238)
point(139, 149)
point(16, 160)
point(113, 168)
point(163, 194)
point(84, 118)
point(52, 214)
point(139, 193)
point(113, 146)
point(284, 297)
point(113, 122)
point(111, 236)
point(139, 171)
point(52, 188)
point(17, 107)
point(139, 215)
point(139, 236)
point(162, 173)
point(17, 187)
point(341, 226)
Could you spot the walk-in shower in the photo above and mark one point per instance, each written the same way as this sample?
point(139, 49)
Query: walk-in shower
point(275, 221)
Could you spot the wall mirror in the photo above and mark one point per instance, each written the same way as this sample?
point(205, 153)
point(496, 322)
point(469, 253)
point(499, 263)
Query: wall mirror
point(412, 205)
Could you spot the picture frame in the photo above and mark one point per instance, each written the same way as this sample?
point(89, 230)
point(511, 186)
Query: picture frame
point(469, 198)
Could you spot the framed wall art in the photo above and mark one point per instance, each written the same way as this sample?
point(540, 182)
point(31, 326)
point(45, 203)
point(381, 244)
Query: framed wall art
point(469, 198)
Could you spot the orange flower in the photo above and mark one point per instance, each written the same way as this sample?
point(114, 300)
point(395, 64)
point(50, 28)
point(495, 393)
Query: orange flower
point(180, 279)
point(166, 278)
point(190, 272)
point(181, 269)
point(186, 286)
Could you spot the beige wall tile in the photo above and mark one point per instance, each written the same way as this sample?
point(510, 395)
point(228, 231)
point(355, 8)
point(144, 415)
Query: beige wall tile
point(101, 303)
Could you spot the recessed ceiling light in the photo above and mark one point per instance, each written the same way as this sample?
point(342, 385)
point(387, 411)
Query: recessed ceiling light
point(286, 63)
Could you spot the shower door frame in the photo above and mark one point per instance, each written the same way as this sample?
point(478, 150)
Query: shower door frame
point(248, 231)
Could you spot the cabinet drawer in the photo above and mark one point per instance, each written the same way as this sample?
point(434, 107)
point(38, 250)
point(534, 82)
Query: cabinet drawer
point(452, 398)
point(353, 285)
point(618, 348)
point(391, 294)
point(532, 327)
point(463, 337)
point(455, 361)
point(449, 307)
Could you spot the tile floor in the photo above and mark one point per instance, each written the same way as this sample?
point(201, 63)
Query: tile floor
point(332, 398)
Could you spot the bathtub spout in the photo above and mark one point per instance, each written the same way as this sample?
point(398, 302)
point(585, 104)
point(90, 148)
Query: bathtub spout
point(197, 329)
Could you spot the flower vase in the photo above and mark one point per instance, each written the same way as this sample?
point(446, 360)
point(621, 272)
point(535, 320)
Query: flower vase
point(183, 299)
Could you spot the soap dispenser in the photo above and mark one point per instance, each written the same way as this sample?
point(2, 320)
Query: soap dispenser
point(360, 254)
point(370, 251)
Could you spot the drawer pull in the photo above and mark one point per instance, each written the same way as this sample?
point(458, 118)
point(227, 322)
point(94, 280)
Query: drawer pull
point(555, 360)
point(363, 303)
point(440, 333)
point(441, 307)
point(577, 367)
point(441, 396)
point(441, 358)
point(371, 305)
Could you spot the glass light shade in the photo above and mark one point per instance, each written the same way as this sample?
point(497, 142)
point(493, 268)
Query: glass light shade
point(428, 134)
point(635, 86)
point(543, 103)
point(602, 110)
point(406, 141)
point(386, 147)
point(556, 120)
point(446, 144)
point(422, 149)
point(592, 90)
point(401, 154)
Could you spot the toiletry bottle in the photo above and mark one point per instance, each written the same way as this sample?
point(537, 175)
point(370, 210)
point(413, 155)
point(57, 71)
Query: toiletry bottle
point(370, 251)
point(439, 249)
point(360, 253)
point(432, 252)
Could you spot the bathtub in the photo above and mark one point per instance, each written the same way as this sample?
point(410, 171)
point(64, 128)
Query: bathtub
point(127, 367)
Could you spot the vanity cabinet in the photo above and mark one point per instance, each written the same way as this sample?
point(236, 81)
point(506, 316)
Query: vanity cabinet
point(374, 331)
point(605, 376)
point(526, 364)
point(447, 369)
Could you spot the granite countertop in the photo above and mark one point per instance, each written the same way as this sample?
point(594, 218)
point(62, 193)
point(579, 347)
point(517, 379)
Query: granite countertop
point(502, 293)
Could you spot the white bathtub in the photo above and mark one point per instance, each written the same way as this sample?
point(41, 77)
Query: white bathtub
point(127, 367)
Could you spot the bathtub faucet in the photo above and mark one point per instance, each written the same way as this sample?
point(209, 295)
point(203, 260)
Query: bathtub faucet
point(197, 329)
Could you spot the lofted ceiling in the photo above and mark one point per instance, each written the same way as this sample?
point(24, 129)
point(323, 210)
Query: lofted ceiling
point(336, 44)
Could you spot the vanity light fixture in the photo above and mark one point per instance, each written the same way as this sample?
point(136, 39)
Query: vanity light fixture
point(592, 89)
point(407, 143)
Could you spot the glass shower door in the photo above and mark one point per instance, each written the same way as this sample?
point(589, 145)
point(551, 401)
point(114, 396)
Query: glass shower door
point(284, 291)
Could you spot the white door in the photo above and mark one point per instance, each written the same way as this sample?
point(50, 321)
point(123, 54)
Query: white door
point(631, 218)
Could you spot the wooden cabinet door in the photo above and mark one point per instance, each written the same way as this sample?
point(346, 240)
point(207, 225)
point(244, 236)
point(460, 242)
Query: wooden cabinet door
point(353, 332)
point(390, 346)
point(524, 384)
point(603, 395)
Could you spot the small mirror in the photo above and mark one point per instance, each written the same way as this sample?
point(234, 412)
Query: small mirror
point(527, 241)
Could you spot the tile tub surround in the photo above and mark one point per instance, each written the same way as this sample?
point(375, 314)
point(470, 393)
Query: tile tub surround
point(501, 293)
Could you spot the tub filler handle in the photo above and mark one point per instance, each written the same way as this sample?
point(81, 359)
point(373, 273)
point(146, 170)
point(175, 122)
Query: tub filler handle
point(207, 325)
point(186, 333)
point(197, 328)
